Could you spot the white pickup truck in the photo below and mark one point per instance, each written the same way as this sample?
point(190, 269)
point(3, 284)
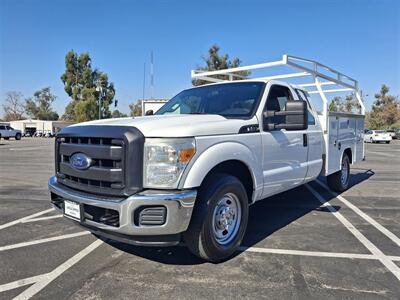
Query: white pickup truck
point(7, 132)
point(190, 172)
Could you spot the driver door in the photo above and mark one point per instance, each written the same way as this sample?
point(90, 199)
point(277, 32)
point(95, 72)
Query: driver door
point(284, 151)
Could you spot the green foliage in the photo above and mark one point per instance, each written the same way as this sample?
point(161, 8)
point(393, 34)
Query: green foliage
point(13, 106)
point(336, 104)
point(117, 114)
point(86, 86)
point(349, 104)
point(135, 109)
point(39, 107)
point(214, 61)
point(385, 110)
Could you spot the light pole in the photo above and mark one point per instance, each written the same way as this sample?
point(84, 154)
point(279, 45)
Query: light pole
point(100, 90)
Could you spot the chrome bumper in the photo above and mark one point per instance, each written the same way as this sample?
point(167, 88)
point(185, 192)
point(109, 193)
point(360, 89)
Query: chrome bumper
point(179, 205)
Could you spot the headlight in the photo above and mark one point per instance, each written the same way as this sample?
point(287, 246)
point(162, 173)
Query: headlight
point(165, 159)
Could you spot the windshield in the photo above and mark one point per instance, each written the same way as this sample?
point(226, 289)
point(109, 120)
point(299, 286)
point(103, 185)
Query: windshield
point(231, 100)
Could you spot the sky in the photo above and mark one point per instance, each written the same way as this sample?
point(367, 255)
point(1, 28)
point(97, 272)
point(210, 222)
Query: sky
point(360, 38)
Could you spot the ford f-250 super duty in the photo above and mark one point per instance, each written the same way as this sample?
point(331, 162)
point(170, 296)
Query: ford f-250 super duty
point(190, 172)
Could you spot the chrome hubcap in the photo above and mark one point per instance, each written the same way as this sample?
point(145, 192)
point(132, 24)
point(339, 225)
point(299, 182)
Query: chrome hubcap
point(345, 171)
point(226, 218)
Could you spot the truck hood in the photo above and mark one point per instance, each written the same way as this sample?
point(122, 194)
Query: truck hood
point(178, 125)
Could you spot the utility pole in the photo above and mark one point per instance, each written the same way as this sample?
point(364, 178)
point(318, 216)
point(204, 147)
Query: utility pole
point(151, 75)
point(100, 90)
point(144, 79)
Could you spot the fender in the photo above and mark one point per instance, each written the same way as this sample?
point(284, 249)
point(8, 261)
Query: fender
point(217, 154)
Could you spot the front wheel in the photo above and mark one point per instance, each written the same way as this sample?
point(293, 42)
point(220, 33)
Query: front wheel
point(219, 218)
point(18, 136)
point(339, 181)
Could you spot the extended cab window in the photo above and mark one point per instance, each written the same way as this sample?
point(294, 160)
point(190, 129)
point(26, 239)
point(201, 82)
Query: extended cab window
point(276, 101)
point(231, 100)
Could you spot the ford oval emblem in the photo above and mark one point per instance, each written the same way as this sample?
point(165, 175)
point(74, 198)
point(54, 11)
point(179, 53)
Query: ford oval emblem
point(80, 161)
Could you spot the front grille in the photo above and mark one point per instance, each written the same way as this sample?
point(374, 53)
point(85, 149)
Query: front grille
point(111, 149)
point(105, 174)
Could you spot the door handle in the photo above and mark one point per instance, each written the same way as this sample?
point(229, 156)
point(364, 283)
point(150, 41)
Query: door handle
point(305, 140)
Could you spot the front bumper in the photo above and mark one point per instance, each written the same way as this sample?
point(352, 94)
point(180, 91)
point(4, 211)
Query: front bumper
point(179, 206)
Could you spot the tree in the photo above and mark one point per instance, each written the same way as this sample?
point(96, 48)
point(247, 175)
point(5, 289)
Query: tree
point(214, 61)
point(346, 105)
point(39, 107)
point(117, 114)
point(13, 108)
point(336, 104)
point(86, 86)
point(136, 109)
point(385, 110)
point(349, 103)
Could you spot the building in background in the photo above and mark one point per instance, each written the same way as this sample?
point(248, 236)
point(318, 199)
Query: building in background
point(152, 104)
point(39, 126)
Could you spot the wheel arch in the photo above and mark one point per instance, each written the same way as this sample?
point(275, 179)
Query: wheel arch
point(349, 153)
point(231, 158)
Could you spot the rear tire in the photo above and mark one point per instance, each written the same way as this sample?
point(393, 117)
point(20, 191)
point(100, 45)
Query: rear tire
point(388, 142)
point(339, 181)
point(6, 138)
point(18, 136)
point(219, 218)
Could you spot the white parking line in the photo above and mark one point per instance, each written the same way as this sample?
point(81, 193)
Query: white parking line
point(27, 148)
point(363, 215)
point(49, 277)
point(20, 283)
point(41, 241)
point(390, 265)
point(12, 223)
point(308, 253)
point(41, 219)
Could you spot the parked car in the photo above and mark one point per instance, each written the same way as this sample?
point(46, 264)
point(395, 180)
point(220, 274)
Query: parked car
point(7, 132)
point(377, 136)
point(190, 172)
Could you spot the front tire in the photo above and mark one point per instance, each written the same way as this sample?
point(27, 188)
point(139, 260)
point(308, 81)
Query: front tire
point(18, 136)
point(339, 181)
point(219, 218)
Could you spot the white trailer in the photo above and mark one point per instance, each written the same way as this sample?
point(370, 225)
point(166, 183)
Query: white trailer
point(152, 105)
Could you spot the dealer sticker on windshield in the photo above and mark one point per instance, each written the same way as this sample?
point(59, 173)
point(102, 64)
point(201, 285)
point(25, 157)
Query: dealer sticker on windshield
point(72, 209)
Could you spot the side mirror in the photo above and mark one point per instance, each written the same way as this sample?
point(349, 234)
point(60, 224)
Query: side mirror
point(295, 116)
point(150, 112)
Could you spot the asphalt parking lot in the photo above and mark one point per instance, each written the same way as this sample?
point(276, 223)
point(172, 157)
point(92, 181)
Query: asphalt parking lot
point(302, 244)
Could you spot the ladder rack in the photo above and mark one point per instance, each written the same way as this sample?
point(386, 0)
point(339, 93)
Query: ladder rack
point(318, 75)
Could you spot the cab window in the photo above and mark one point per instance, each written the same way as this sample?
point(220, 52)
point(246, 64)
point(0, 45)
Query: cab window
point(276, 101)
point(303, 96)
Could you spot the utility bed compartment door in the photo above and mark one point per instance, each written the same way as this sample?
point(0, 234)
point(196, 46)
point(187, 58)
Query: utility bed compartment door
point(345, 131)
